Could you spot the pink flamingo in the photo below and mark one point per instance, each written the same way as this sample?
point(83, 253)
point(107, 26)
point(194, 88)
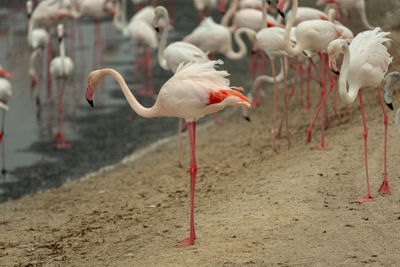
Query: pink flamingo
point(5, 94)
point(174, 54)
point(141, 31)
point(61, 68)
point(195, 90)
point(311, 35)
point(365, 63)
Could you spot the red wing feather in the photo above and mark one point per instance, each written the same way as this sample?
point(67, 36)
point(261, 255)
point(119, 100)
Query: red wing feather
point(218, 97)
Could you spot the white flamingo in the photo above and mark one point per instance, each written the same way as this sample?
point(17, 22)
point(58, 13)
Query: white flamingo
point(365, 63)
point(5, 94)
point(195, 90)
point(61, 69)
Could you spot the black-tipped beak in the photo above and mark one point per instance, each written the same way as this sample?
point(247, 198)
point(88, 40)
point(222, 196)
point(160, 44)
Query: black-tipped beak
point(90, 102)
point(59, 39)
point(389, 105)
point(247, 118)
point(281, 13)
point(29, 16)
point(335, 71)
point(157, 29)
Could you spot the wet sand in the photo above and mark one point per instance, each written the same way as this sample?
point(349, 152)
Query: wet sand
point(253, 207)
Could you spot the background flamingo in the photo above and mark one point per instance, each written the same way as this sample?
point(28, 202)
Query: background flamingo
point(61, 69)
point(5, 94)
point(196, 89)
point(365, 63)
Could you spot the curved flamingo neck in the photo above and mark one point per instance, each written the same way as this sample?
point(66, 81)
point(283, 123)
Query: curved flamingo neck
point(163, 42)
point(233, 6)
point(363, 14)
point(264, 15)
point(348, 96)
point(269, 79)
point(294, 51)
point(241, 53)
point(135, 105)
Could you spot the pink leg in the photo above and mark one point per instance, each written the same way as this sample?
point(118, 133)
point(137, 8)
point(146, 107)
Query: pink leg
point(193, 170)
point(49, 54)
point(301, 71)
point(384, 189)
point(72, 39)
point(308, 102)
point(63, 143)
point(254, 62)
point(276, 94)
point(80, 36)
point(368, 197)
point(58, 137)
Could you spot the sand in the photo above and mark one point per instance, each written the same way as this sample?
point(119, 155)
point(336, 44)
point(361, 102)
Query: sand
point(253, 207)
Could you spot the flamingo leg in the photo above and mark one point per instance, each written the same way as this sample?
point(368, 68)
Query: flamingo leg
point(72, 39)
point(276, 94)
point(63, 143)
point(180, 143)
point(301, 83)
point(58, 137)
point(384, 188)
point(193, 171)
point(320, 108)
point(49, 53)
point(285, 99)
point(81, 46)
point(3, 169)
point(308, 102)
point(368, 197)
point(254, 62)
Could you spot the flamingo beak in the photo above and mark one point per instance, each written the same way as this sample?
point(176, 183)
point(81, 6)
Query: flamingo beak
point(332, 64)
point(280, 7)
point(5, 74)
point(157, 29)
point(89, 95)
point(247, 118)
point(389, 105)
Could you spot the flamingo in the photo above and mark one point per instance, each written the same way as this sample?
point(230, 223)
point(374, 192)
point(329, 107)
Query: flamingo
point(365, 63)
point(347, 5)
point(311, 35)
point(169, 58)
point(61, 68)
point(195, 90)
point(37, 40)
point(97, 10)
point(388, 84)
point(248, 17)
point(5, 94)
point(142, 32)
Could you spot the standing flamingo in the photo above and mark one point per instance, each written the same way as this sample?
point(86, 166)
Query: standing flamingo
point(142, 32)
point(37, 40)
point(311, 35)
point(365, 63)
point(5, 94)
point(195, 90)
point(61, 68)
point(176, 53)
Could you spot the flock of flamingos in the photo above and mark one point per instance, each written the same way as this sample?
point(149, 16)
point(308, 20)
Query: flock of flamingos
point(297, 36)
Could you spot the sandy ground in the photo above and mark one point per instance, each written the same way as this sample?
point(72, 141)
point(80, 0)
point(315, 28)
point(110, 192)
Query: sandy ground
point(253, 207)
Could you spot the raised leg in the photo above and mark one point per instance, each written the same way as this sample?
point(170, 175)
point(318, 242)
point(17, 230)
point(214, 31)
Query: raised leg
point(193, 171)
point(384, 189)
point(368, 197)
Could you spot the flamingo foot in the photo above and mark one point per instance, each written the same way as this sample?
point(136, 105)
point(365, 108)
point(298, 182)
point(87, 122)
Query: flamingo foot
point(309, 134)
point(186, 242)
point(321, 146)
point(58, 137)
point(365, 199)
point(384, 189)
point(63, 145)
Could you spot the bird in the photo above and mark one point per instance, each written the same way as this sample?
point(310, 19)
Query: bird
point(365, 63)
point(216, 39)
point(5, 94)
point(61, 69)
point(38, 39)
point(271, 41)
point(248, 17)
point(174, 54)
point(311, 35)
point(388, 84)
point(347, 5)
point(195, 90)
point(141, 31)
point(97, 10)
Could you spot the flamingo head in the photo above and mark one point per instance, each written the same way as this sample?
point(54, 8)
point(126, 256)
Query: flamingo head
point(159, 13)
point(60, 32)
point(94, 79)
point(280, 7)
point(334, 49)
point(388, 83)
point(29, 6)
point(5, 74)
